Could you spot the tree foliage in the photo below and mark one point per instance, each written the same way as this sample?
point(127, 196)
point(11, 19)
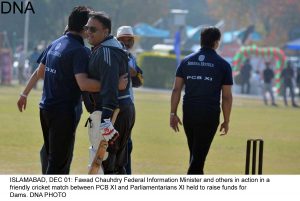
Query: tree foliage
point(50, 16)
point(274, 18)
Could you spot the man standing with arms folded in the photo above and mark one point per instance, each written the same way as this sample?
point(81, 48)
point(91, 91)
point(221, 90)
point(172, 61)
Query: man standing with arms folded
point(206, 77)
point(107, 62)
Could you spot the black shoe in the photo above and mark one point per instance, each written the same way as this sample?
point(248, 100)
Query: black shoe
point(274, 104)
point(295, 105)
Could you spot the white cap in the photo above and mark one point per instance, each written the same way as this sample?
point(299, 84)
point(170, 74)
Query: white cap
point(125, 31)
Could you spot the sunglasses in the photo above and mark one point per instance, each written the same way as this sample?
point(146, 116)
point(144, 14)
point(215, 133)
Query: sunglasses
point(90, 29)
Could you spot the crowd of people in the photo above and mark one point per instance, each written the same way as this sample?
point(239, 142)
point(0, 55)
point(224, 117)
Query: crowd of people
point(289, 78)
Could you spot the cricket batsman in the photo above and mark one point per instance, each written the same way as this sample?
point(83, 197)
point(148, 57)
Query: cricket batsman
point(107, 63)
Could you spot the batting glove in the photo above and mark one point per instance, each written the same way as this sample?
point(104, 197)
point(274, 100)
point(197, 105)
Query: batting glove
point(107, 130)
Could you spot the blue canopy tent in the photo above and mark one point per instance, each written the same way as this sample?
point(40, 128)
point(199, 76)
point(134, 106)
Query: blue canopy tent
point(193, 33)
point(146, 30)
point(229, 37)
point(149, 35)
point(293, 45)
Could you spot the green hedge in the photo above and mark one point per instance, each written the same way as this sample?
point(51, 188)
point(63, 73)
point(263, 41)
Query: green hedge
point(158, 69)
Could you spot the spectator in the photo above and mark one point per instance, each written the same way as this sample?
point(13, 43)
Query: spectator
point(21, 64)
point(245, 77)
point(32, 62)
point(287, 75)
point(268, 76)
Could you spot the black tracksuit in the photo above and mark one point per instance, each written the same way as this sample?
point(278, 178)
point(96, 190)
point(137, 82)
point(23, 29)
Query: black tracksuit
point(108, 62)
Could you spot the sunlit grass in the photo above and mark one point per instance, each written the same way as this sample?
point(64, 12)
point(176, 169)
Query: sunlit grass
point(156, 148)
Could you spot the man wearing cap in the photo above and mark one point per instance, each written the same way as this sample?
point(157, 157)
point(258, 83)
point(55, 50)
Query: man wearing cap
point(126, 36)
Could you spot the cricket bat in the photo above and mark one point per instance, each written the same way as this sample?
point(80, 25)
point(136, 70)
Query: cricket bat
point(100, 154)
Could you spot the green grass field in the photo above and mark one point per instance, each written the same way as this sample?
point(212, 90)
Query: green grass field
point(157, 149)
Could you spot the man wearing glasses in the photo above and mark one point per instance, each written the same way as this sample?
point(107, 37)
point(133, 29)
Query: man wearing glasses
point(107, 62)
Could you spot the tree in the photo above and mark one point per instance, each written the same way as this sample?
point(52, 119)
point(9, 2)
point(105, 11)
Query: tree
point(274, 18)
point(50, 16)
